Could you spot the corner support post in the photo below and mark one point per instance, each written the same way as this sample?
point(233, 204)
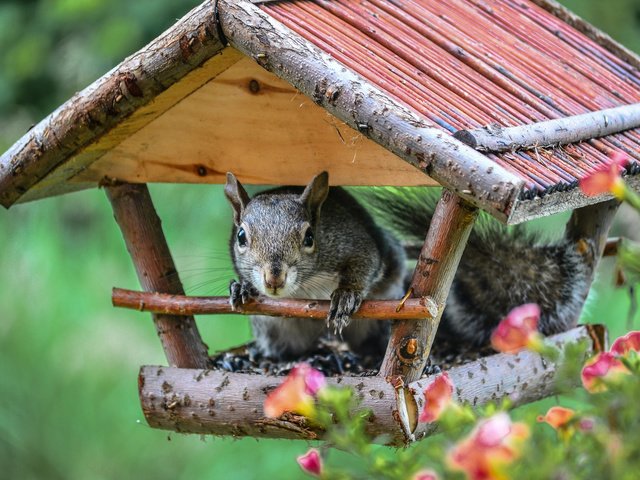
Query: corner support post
point(142, 231)
point(410, 342)
point(588, 228)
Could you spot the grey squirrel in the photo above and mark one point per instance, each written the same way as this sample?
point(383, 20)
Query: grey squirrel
point(316, 243)
point(320, 243)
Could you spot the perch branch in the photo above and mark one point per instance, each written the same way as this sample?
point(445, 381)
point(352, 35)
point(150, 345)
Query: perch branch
point(142, 232)
point(223, 403)
point(560, 131)
point(413, 308)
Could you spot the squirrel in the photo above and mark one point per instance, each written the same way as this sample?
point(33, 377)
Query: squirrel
point(321, 243)
point(501, 268)
point(317, 243)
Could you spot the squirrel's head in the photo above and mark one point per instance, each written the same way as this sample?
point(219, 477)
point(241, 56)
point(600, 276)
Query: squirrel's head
point(274, 237)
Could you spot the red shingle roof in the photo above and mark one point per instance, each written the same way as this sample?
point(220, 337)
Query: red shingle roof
point(469, 63)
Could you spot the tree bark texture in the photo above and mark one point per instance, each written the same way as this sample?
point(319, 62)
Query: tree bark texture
point(355, 101)
point(410, 342)
point(560, 131)
point(412, 308)
point(91, 113)
point(142, 232)
point(222, 403)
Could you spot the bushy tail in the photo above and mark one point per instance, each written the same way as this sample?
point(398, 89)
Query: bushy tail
point(502, 267)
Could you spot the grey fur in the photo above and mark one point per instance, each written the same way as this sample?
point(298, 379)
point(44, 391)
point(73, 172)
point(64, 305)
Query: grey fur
point(351, 259)
point(500, 269)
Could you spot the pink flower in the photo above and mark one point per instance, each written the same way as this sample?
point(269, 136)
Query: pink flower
point(557, 417)
point(425, 475)
point(603, 367)
point(437, 396)
point(625, 344)
point(311, 462)
point(517, 330)
point(606, 179)
point(296, 393)
point(493, 444)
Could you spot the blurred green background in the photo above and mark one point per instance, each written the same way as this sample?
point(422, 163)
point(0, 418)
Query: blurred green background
point(68, 361)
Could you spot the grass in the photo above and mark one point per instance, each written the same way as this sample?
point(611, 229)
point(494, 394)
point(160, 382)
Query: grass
point(68, 360)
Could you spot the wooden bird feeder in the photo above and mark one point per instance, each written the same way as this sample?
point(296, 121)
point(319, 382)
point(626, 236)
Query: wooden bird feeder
point(504, 103)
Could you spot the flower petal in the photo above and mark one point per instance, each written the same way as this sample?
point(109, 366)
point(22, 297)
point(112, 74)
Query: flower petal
point(311, 462)
point(437, 396)
point(517, 329)
point(626, 343)
point(606, 179)
point(425, 475)
point(557, 417)
point(604, 366)
point(494, 443)
point(296, 393)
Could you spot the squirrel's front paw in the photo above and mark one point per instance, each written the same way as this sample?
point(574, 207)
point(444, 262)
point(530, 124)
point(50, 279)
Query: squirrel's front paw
point(344, 302)
point(241, 292)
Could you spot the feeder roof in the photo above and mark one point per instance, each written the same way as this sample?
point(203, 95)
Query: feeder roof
point(407, 75)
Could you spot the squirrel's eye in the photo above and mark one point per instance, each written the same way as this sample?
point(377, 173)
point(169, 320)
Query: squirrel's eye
point(308, 238)
point(242, 237)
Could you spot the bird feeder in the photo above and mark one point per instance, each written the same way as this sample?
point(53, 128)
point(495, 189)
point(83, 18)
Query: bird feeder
point(505, 104)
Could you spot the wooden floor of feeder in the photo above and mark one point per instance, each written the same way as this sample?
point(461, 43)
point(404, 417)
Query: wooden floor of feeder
point(218, 402)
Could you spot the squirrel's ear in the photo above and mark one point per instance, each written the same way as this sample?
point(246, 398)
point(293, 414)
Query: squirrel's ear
point(315, 194)
point(237, 196)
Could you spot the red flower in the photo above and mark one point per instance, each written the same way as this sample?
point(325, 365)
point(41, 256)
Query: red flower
point(425, 475)
point(296, 393)
point(627, 343)
point(311, 462)
point(606, 179)
point(604, 366)
point(517, 330)
point(437, 396)
point(493, 444)
point(557, 417)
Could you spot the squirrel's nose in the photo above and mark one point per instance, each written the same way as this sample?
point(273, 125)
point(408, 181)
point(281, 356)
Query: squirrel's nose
point(274, 278)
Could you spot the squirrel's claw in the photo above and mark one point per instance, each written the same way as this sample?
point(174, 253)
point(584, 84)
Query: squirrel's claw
point(241, 292)
point(344, 302)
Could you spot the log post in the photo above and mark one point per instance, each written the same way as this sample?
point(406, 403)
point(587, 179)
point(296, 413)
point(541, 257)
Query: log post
point(142, 232)
point(588, 228)
point(411, 341)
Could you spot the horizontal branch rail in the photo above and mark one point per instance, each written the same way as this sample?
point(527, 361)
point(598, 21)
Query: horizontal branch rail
point(560, 131)
point(411, 309)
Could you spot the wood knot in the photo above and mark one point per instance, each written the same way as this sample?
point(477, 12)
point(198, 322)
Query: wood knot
point(409, 350)
point(254, 86)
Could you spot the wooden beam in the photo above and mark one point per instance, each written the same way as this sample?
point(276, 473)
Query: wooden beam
point(413, 308)
point(357, 102)
point(560, 131)
point(410, 342)
point(92, 113)
point(142, 232)
point(224, 403)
